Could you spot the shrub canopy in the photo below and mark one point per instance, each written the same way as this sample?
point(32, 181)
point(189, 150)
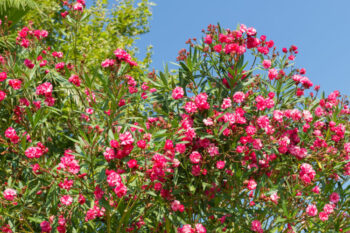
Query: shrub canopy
point(237, 139)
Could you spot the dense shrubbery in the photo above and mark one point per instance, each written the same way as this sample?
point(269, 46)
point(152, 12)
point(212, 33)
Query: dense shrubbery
point(237, 140)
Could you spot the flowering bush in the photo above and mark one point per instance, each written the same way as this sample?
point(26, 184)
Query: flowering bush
point(229, 143)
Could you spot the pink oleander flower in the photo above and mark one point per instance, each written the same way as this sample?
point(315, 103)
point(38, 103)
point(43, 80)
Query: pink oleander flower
point(2, 95)
point(307, 173)
point(45, 226)
point(200, 228)
point(190, 107)
point(266, 64)
point(323, 216)
point(81, 199)
point(59, 66)
point(251, 184)
point(250, 130)
point(141, 144)
point(126, 138)
point(334, 197)
point(180, 148)
point(132, 163)
point(3, 76)
point(44, 89)
point(113, 179)
point(226, 103)
point(178, 93)
point(78, 7)
point(311, 210)
point(124, 56)
point(278, 116)
point(34, 152)
point(89, 111)
point(28, 63)
point(272, 74)
point(107, 63)
point(208, 121)
point(238, 97)
point(328, 208)
point(15, 83)
point(177, 206)
point(43, 63)
point(213, 150)
point(66, 200)
point(251, 31)
point(109, 154)
point(10, 132)
point(274, 198)
point(10, 194)
point(256, 226)
point(68, 162)
point(120, 190)
point(74, 79)
point(217, 48)
point(201, 101)
point(195, 157)
point(208, 39)
point(316, 189)
point(176, 163)
point(186, 229)
point(347, 147)
point(220, 164)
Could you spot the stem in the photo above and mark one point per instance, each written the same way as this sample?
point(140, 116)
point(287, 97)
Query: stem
point(126, 211)
point(108, 218)
point(75, 42)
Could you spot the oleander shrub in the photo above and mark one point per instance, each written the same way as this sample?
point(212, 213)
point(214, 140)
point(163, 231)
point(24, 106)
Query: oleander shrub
point(236, 139)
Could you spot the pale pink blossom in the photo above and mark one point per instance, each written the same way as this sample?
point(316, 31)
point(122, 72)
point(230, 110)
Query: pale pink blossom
point(323, 216)
point(238, 97)
point(220, 164)
point(266, 64)
point(10, 194)
point(256, 226)
point(66, 200)
point(328, 208)
point(311, 210)
point(178, 93)
point(195, 157)
point(251, 184)
point(334, 197)
point(126, 138)
point(272, 73)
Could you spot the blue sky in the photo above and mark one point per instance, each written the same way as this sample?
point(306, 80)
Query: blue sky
point(319, 28)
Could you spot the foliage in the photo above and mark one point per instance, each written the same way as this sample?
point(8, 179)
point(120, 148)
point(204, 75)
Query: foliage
point(228, 143)
point(101, 28)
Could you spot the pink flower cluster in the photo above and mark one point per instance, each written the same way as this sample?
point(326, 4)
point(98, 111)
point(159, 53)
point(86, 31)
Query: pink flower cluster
point(256, 226)
point(69, 163)
point(74, 79)
point(94, 212)
point(11, 134)
point(122, 55)
point(36, 151)
point(115, 180)
point(45, 89)
point(178, 93)
point(199, 228)
point(307, 173)
point(10, 194)
point(25, 36)
point(177, 206)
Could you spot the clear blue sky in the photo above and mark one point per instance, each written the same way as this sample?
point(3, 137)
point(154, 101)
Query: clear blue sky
point(320, 29)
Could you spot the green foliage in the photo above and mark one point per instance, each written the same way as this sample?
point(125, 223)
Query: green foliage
point(102, 29)
point(14, 10)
